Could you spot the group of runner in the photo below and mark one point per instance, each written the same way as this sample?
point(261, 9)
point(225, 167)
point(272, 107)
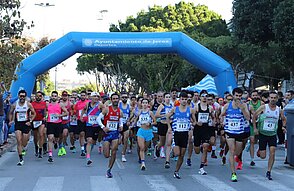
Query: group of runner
point(169, 122)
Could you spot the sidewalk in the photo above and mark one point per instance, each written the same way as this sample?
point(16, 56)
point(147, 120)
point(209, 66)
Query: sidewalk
point(8, 146)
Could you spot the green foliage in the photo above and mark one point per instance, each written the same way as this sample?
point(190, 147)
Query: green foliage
point(13, 48)
point(153, 71)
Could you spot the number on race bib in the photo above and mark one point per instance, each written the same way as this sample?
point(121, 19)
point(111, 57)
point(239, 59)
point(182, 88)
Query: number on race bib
point(54, 117)
point(21, 117)
point(92, 119)
point(37, 124)
point(203, 117)
point(269, 125)
point(112, 125)
point(65, 118)
point(234, 124)
point(183, 125)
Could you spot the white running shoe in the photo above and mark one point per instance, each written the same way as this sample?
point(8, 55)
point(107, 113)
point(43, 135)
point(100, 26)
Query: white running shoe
point(202, 171)
point(123, 158)
point(162, 154)
point(20, 163)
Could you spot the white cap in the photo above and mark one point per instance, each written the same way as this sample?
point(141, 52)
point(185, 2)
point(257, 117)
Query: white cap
point(94, 94)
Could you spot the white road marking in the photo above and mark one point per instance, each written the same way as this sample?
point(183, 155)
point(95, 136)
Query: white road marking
point(159, 183)
point(213, 183)
point(4, 182)
point(268, 184)
point(49, 184)
point(103, 183)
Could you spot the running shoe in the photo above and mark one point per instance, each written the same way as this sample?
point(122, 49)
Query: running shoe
point(213, 155)
point(63, 151)
point(23, 152)
point(100, 150)
point(89, 162)
point(221, 153)
point(156, 152)
point(20, 163)
point(123, 158)
point(234, 177)
point(40, 156)
point(108, 174)
point(83, 153)
point(240, 165)
point(60, 152)
point(202, 171)
point(252, 163)
point(176, 158)
point(50, 160)
point(166, 165)
point(129, 151)
point(224, 160)
point(177, 175)
point(188, 162)
point(55, 146)
point(162, 154)
point(268, 175)
point(149, 152)
point(143, 167)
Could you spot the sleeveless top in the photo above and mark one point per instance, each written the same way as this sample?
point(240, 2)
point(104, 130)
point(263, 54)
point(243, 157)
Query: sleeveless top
point(111, 120)
point(203, 116)
point(40, 108)
point(269, 121)
point(166, 109)
point(126, 112)
point(21, 113)
point(181, 120)
point(144, 118)
point(92, 115)
point(53, 111)
point(235, 123)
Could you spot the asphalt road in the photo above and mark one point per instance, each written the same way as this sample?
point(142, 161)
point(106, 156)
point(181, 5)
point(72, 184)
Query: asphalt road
point(70, 173)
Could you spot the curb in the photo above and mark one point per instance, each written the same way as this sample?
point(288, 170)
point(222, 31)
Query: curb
point(9, 146)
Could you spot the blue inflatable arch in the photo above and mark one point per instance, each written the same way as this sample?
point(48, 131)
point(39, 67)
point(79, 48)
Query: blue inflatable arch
point(123, 43)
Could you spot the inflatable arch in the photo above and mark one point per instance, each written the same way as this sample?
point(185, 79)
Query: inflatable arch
point(123, 43)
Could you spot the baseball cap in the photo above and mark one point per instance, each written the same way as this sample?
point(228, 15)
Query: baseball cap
point(95, 94)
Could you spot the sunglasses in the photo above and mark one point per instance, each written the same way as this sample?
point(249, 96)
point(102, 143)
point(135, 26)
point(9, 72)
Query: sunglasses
point(124, 97)
point(22, 96)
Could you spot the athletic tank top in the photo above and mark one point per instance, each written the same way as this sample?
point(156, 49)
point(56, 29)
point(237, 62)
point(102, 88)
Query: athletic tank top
point(144, 118)
point(65, 119)
point(166, 109)
point(255, 106)
point(53, 111)
point(181, 120)
point(269, 121)
point(92, 115)
point(235, 121)
point(111, 120)
point(202, 116)
point(126, 112)
point(40, 108)
point(21, 112)
point(79, 107)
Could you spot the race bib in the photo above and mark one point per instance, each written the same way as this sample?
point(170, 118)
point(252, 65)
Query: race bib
point(234, 124)
point(183, 126)
point(65, 118)
point(53, 117)
point(112, 125)
point(203, 117)
point(92, 119)
point(269, 125)
point(144, 119)
point(73, 120)
point(125, 118)
point(21, 117)
point(37, 124)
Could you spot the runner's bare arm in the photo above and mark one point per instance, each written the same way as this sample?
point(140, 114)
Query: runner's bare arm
point(157, 114)
point(33, 112)
point(255, 115)
point(169, 114)
point(153, 118)
point(284, 120)
point(11, 114)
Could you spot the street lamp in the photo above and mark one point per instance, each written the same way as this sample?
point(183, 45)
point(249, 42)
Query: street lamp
point(100, 17)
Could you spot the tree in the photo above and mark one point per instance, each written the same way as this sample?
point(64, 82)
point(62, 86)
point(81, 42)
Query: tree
point(13, 48)
point(152, 72)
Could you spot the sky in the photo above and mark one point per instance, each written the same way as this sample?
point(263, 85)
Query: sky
point(84, 16)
